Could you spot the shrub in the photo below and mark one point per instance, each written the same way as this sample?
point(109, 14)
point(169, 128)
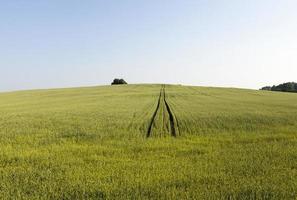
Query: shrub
point(117, 81)
point(266, 88)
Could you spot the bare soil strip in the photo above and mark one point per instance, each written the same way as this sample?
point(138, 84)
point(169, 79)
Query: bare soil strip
point(173, 129)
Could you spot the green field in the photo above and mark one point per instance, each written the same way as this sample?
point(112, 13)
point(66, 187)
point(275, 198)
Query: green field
point(95, 143)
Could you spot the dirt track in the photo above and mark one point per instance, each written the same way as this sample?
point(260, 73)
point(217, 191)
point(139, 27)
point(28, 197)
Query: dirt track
point(163, 109)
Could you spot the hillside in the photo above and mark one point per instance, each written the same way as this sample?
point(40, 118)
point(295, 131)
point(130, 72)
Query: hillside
point(148, 142)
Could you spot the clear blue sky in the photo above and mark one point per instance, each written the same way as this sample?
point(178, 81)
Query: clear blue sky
point(62, 43)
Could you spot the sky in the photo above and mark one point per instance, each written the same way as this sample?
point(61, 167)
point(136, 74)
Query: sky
point(72, 43)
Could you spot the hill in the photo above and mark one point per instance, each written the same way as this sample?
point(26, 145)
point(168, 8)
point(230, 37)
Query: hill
point(148, 142)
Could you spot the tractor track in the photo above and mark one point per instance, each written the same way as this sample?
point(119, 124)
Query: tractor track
point(174, 127)
point(149, 130)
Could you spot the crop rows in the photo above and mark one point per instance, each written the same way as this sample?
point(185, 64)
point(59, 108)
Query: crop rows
point(91, 143)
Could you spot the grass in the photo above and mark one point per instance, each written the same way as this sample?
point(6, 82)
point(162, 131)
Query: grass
point(90, 143)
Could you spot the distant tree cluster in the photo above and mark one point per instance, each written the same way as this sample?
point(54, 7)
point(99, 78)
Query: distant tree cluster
point(285, 87)
point(117, 81)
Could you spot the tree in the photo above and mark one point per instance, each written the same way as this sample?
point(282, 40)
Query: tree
point(117, 81)
point(266, 88)
point(285, 87)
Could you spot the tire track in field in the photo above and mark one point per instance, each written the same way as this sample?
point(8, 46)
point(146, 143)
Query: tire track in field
point(165, 110)
point(154, 116)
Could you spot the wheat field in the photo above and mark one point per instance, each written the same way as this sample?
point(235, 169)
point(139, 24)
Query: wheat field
point(148, 141)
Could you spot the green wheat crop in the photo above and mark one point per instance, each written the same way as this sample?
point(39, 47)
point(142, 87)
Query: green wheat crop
point(91, 143)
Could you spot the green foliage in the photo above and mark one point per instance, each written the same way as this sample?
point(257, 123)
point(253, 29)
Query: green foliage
point(266, 88)
point(118, 82)
point(90, 143)
point(285, 87)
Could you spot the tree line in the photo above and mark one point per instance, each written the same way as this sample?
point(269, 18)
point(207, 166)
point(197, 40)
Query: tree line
point(285, 87)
